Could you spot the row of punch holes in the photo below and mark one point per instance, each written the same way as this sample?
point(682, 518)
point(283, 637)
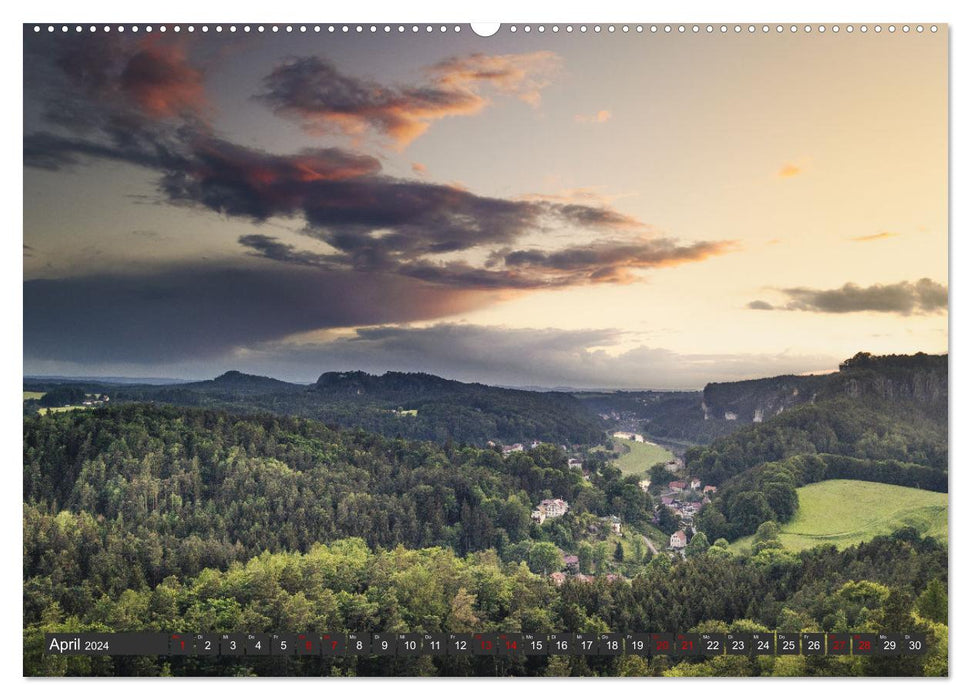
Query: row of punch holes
point(568, 28)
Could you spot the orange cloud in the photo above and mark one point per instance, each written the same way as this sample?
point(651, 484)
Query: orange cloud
point(575, 195)
point(875, 236)
point(520, 75)
point(419, 168)
point(599, 118)
point(159, 79)
point(789, 170)
point(324, 100)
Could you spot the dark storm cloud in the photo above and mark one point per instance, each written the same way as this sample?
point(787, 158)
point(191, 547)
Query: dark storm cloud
point(375, 223)
point(596, 264)
point(610, 260)
point(323, 99)
point(921, 297)
point(271, 248)
point(251, 183)
point(510, 356)
point(760, 305)
point(49, 151)
point(112, 83)
point(207, 311)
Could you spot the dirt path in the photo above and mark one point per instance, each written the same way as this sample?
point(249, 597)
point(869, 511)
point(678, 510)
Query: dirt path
point(650, 545)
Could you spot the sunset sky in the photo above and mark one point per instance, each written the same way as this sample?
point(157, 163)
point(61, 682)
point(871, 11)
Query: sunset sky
point(613, 210)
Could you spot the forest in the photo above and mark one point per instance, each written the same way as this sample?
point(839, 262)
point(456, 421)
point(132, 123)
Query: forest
point(840, 426)
point(888, 584)
point(396, 404)
point(147, 516)
point(125, 496)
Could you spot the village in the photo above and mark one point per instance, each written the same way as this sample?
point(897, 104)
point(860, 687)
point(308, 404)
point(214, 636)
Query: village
point(683, 497)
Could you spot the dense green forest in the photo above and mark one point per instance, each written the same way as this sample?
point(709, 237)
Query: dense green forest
point(396, 404)
point(841, 426)
point(889, 584)
point(123, 497)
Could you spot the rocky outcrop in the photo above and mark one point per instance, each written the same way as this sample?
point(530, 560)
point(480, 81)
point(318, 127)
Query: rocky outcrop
point(918, 381)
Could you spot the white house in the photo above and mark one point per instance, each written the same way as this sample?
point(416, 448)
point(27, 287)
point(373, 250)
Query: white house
point(679, 540)
point(553, 507)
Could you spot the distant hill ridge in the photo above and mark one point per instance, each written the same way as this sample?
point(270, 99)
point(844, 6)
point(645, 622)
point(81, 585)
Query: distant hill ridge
point(408, 404)
point(918, 379)
point(234, 380)
point(407, 385)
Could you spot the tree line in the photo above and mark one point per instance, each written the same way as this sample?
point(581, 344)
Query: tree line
point(891, 584)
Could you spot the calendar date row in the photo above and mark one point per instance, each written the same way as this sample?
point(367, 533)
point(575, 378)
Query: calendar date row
point(486, 644)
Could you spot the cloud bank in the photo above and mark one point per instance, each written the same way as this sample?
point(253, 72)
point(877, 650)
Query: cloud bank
point(924, 296)
point(209, 311)
point(522, 357)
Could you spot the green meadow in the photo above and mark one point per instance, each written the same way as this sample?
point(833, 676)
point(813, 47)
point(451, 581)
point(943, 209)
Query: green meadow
point(62, 409)
point(638, 457)
point(843, 512)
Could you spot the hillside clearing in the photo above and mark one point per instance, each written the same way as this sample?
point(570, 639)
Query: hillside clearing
point(844, 512)
point(638, 457)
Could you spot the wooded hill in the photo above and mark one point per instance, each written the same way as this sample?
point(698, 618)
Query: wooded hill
point(914, 383)
point(879, 419)
point(396, 404)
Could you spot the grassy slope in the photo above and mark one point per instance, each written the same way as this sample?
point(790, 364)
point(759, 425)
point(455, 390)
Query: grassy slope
point(844, 512)
point(33, 395)
point(639, 456)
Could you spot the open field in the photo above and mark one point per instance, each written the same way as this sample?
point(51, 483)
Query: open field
point(842, 512)
point(638, 457)
point(28, 395)
point(61, 409)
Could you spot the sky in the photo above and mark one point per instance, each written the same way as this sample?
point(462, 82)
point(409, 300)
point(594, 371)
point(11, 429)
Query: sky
point(613, 210)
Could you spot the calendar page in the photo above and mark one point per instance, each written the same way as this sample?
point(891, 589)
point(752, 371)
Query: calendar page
point(590, 349)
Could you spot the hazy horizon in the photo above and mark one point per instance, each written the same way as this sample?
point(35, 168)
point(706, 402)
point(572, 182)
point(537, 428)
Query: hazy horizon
point(115, 379)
